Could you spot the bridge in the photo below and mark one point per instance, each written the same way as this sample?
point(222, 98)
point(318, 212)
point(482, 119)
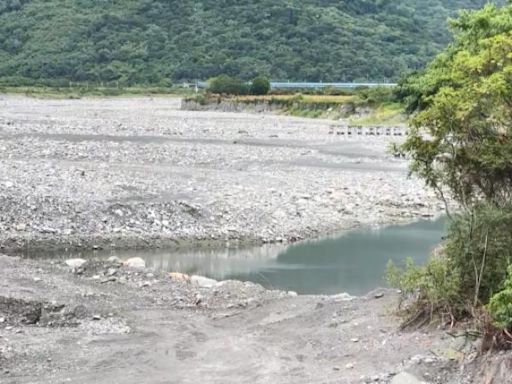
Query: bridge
point(312, 85)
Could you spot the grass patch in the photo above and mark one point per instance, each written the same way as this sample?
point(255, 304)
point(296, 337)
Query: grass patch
point(383, 114)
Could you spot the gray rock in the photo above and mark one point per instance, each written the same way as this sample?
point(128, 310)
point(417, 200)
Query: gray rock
point(405, 378)
point(135, 262)
point(114, 260)
point(203, 282)
point(75, 263)
point(21, 227)
point(342, 297)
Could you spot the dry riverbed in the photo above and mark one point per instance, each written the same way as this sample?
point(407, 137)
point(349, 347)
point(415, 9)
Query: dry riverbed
point(139, 172)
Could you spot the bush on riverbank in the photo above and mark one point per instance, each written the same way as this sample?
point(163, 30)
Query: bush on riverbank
point(260, 86)
point(466, 275)
point(227, 85)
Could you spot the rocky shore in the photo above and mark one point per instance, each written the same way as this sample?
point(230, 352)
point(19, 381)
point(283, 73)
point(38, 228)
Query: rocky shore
point(139, 172)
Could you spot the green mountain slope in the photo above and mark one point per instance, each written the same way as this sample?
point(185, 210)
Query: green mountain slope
point(154, 41)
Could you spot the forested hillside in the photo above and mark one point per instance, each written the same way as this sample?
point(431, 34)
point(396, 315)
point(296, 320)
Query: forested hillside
point(162, 41)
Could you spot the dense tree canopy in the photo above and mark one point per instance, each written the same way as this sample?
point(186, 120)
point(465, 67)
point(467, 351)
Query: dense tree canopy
point(462, 135)
point(157, 41)
point(460, 142)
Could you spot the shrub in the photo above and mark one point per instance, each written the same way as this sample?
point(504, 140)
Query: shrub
point(500, 305)
point(225, 84)
point(470, 272)
point(434, 289)
point(260, 86)
point(376, 95)
point(480, 246)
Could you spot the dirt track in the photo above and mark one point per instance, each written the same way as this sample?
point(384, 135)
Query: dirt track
point(140, 328)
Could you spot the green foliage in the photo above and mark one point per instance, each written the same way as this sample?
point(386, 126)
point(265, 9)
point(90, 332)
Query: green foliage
point(470, 270)
point(149, 41)
point(376, 95)
point(434, 286)
point(480, 247)
point(460, 143)
point(461, 137)
point(260, 86)
point(227, 85)
point(500, 305)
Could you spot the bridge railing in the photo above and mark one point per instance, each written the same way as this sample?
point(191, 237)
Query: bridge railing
point(310, 85)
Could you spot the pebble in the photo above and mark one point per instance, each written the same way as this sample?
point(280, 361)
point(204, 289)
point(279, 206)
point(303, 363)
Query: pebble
point(349, 366)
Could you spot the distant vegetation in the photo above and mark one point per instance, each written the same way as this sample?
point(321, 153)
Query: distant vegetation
point(362, 106)
point(227, 85)
point(160, 43)
point(460, 143)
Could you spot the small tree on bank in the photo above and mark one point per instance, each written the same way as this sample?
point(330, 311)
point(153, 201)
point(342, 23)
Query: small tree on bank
point(260, 86)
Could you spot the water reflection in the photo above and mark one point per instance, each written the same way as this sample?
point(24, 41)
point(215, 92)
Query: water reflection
point(354, 262)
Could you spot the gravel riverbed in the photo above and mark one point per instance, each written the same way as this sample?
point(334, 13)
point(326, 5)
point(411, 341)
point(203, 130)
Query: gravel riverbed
point(139, 172)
